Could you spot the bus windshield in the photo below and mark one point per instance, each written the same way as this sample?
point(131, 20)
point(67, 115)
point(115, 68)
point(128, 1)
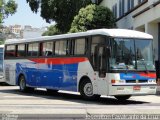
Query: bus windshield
point(131, 54)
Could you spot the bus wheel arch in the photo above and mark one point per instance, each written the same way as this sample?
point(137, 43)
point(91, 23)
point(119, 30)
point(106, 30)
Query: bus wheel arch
point(85, 88)
point(84, 78)
point(22, 84)
point(19, 77)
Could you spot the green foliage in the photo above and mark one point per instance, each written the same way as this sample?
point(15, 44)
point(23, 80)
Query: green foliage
point(6, 9)
point(52, 30)
point(93, 17)
point(1, 41)
point(60, 11)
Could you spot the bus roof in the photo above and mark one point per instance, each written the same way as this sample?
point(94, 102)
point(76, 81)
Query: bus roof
point(1, 46)
point(123, 33)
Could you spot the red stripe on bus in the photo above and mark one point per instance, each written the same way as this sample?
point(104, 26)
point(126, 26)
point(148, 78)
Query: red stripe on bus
point(58, 60)
point(150, 75)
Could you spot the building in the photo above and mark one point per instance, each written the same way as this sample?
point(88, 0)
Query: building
point(29, 32)
point(141, 15)
point(16, 29)
point(13, 31)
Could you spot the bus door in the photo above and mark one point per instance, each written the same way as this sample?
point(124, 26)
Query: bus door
point(102, 63)
point(101, 60)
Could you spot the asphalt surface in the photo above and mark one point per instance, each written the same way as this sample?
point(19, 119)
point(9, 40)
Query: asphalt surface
point(15, 105)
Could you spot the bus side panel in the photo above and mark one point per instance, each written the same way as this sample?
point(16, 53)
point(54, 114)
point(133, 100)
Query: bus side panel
point(54, 73)
point(69, 77)
point(28, 69)
point(61, 77)
point(85, 69)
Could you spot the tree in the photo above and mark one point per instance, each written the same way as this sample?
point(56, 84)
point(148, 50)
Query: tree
point(93, 17)
point(7, 9)
point(60, 11)
point(52, 30)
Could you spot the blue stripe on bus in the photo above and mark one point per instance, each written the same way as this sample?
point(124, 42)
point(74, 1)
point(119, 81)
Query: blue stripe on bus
point(137, 76)
point(63, 77)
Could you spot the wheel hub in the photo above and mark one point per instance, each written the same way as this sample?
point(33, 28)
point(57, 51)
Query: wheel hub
point(88, 89)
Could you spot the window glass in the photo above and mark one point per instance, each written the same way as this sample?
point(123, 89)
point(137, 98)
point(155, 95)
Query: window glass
point(47, 49)
point(1, 50)
point(33, 49)
point(10, 51)
point(61, 47)
point(21, 50)
point(79, 47)
point(57, 47)
point(29, 50)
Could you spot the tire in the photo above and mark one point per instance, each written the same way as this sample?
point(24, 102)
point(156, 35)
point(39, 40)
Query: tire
point(50, 91)
point(122, 97)
point(22, 85)
point(86, 90)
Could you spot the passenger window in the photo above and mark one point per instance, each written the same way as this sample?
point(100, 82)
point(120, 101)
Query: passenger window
point(61, 48)
point(10, 51)
point(33, 49)
point(79, 46)
point(21, 50)
point(47, 49)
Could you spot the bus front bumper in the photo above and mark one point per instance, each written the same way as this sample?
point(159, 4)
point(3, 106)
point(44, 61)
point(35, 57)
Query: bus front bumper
point(132, 89)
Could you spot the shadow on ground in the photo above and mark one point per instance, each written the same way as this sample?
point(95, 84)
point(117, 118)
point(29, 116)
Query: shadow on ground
point(70, 97)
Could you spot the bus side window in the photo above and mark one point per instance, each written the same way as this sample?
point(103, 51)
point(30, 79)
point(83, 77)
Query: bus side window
point(79, 46)
point(47, 49)
point(33, 49)
point(21, 50)
point(10, 51)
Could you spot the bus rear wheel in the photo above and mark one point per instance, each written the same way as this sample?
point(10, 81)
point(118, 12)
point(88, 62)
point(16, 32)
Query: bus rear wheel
point(22, 85)
point(86, 90)
point(122, 97)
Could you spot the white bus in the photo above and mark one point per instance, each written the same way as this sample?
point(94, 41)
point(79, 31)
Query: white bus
point(1, 63)
point(112, 62)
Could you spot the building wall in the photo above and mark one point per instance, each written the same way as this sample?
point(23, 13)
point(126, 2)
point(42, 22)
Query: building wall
point(142, 15)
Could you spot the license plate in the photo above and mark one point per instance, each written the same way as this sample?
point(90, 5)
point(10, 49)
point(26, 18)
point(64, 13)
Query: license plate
point(136, 87)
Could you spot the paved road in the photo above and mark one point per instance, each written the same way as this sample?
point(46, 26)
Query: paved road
point(16, 105)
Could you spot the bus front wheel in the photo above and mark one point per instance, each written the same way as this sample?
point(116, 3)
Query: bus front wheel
point(22, 85)
point(86, 90)
point(122, 97)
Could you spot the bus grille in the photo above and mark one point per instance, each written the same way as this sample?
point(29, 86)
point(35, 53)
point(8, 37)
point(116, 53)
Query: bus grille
point(136, 81)
point(7, 74)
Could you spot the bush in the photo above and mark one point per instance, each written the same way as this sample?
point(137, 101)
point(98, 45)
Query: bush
point(93, 17)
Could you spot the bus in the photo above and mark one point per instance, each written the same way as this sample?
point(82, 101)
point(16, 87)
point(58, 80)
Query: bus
point(111, 62)
point(1, 63)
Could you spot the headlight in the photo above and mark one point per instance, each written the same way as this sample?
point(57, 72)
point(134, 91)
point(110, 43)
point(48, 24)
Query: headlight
point(117, 81)
point(151, 81)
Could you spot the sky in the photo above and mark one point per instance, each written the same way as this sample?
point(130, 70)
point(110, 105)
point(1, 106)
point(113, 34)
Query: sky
point(24, 16)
